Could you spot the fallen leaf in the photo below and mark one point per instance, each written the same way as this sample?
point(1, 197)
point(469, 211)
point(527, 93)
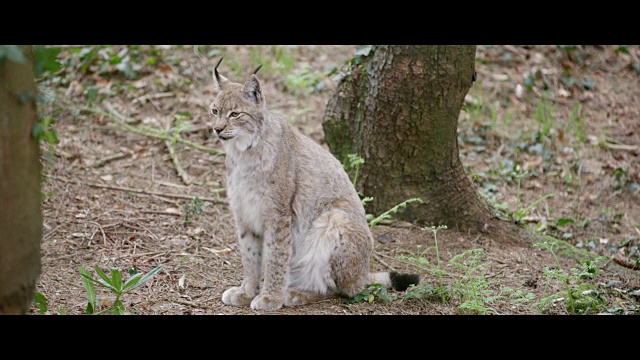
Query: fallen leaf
point(164, 67)
point(172, 211)
point(561, 135)
point(106, 177)
point(78, 234)
point(81, 216)
point(181, 281)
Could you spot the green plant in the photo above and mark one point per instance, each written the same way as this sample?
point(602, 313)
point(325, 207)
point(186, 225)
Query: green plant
point(40, 301)
point(354, 162)
point(471, 285)
point(426, 290)
point(435, 230)
point(191, 209)
point(274, 59)
point(303, 80)
point(576, 126)
point(43, 131)
point(544, 115)
point(622, 177)
point(115, 284)
point(387, 214)
point(518, 296)
point(44, 61)
point(371, 292)
point(520, 213)
point(352, 65)
point(579, 296)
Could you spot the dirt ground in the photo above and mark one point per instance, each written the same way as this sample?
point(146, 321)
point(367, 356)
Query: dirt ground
point(568, 116)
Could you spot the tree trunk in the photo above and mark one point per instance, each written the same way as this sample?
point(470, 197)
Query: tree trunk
point(20, 203)
point(399, 111)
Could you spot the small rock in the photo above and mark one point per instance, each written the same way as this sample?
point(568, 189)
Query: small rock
point(385, 239)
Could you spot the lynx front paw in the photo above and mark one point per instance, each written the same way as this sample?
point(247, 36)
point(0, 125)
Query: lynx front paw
point(267, 303)
point(236, 296)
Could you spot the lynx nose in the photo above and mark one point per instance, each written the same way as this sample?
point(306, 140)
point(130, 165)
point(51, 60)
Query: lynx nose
point(218, 130)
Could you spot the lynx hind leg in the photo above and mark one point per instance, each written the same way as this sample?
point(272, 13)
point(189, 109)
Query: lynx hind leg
point(351, 259)
point(333, 258)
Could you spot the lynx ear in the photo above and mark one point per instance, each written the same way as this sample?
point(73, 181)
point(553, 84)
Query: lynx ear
point(252, 91)
point(220, 80)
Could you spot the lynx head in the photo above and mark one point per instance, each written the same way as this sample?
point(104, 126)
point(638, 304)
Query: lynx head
point(238, 110)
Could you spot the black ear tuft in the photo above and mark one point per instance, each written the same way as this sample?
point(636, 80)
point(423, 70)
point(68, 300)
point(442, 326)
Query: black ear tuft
point(256, 71)
point(215, 70)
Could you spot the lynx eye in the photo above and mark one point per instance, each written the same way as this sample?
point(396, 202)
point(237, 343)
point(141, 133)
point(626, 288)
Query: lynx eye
point(234, 114)
point(213, 112)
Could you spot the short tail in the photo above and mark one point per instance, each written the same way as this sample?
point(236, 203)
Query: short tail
point(394, 280)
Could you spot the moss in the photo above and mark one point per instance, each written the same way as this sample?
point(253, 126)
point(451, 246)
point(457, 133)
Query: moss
point(336, 134)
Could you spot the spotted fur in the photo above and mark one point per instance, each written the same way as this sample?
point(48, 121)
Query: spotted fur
point(301, 226)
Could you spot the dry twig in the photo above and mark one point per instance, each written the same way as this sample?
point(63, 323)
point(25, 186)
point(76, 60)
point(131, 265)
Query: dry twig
point(171, 146)
point(375, 255)
point(140, 191)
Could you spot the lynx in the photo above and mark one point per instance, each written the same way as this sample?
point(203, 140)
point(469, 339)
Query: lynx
point(302, 230)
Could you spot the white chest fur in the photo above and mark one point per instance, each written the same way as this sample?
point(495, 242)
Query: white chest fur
point(247, 199)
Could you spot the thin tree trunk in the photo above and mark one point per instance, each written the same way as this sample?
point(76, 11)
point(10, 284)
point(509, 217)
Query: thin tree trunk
point(399, 111)
point(20, 203)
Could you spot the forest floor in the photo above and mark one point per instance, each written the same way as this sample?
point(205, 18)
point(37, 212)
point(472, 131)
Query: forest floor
point(549, 134)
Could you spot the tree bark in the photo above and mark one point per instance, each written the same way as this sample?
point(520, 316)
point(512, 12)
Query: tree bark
point(20, 203)
point(399, 111)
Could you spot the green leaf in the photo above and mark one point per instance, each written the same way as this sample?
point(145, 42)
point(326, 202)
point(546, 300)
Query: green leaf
point(104, 276)
point(622, 49)
point(371, 298)
point(132, 281)
point(100, 282)
point(88, 286)
point(116, 279)
point(92, 94)
point(563, 221)
point(146, 277)
point(40, 301)
point(13, 53)
point(46, 59)
point(38, 131)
